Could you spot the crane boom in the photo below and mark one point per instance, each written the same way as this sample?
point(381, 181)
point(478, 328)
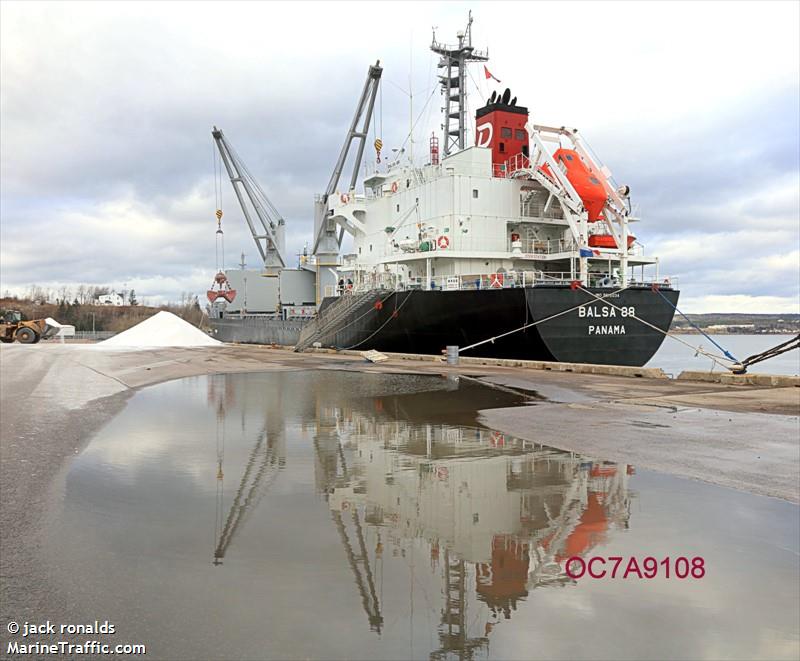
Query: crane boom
point(327, 236)
point(270, 237)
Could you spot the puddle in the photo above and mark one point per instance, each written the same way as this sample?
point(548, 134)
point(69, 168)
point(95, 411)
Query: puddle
point(364, 516)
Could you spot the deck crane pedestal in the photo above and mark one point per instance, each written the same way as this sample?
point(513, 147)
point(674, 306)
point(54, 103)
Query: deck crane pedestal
point(270, 236)
point(327, 235)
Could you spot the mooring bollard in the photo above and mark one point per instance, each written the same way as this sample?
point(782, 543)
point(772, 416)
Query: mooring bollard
point(452, 355)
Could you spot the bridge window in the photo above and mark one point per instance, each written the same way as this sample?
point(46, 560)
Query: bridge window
point(519, 134)
point(505, 132)
point(475, 193)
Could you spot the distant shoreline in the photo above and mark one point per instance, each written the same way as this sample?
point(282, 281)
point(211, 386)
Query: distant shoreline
point(692, 331)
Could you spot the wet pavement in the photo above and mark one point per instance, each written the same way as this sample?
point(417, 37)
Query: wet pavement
point(328, 514)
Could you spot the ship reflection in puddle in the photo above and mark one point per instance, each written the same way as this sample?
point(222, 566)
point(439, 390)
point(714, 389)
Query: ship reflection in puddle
point(326, 514)
point(499, 516)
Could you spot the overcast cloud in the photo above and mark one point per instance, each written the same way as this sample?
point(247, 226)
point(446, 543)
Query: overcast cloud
point(106, 161)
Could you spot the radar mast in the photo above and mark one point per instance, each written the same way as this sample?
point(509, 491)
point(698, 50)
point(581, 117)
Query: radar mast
point(454, 59)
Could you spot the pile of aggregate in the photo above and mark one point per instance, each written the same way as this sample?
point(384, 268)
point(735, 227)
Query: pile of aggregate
point(163, 329)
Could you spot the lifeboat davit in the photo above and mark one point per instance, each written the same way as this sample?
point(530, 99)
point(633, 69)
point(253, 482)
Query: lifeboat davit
point(606, 241)
point(587, 182)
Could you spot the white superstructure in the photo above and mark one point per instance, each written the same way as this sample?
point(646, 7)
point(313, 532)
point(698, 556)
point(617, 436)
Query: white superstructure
point(526, 204)
point(448, 224)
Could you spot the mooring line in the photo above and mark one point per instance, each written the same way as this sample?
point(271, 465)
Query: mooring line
point(534, 323)
point(696, 327)
point(603, 298)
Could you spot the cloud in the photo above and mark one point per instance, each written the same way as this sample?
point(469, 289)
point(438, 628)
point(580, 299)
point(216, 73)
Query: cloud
point(741, 304)
point(106, 160)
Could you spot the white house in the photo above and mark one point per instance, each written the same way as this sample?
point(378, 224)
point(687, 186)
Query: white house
point(111, 299)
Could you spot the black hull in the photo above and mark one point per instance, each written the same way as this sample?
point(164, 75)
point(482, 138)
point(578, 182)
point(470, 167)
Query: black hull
point(428, 321)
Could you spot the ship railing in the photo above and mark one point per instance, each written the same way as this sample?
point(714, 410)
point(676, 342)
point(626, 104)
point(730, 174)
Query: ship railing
point(534, 278)
point(536, 247)
point(517, 162)
point(534, 208)
point(499, 280)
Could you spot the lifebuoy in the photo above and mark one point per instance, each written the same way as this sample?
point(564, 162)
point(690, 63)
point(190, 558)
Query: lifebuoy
point(345, 198)
point(394, 187)
point(443, 242)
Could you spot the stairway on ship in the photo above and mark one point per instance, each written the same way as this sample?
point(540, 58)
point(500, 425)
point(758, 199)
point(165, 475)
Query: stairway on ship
point(336, 316)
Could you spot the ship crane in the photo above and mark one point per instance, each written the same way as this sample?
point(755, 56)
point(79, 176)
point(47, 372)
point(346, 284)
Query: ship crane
point(329, 459)
point(270, 237)
point(260, 472)
point(327, 233)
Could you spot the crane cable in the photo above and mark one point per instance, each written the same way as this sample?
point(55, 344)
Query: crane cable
point(220, 474)
point(219, 244)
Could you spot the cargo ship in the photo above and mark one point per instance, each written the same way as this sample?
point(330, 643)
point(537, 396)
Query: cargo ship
point(517, 246)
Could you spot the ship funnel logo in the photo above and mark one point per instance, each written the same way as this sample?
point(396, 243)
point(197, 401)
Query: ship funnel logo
point(485, 132)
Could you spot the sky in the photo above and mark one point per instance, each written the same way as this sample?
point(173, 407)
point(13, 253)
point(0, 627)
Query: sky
point(106, 110)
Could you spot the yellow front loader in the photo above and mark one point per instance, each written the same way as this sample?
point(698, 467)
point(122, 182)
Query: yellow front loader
point(27, 332)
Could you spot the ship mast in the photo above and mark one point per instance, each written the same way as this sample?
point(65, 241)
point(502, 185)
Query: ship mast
point(454, 60)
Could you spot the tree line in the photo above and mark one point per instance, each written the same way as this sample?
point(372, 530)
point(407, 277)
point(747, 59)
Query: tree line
point(80, 294)
point(91, 316)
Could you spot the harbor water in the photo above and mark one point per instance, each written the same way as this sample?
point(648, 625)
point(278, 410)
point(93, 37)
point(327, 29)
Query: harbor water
point(674, 357)
point(325, 514)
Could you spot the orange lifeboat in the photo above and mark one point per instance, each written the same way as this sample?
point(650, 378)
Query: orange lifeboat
point(587, 182)
point(606, 241)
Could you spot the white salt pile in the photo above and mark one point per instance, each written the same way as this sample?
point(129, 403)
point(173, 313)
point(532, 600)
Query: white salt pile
point(161, 330)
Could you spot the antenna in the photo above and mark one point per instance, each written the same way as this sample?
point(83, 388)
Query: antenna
point(411, 101)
